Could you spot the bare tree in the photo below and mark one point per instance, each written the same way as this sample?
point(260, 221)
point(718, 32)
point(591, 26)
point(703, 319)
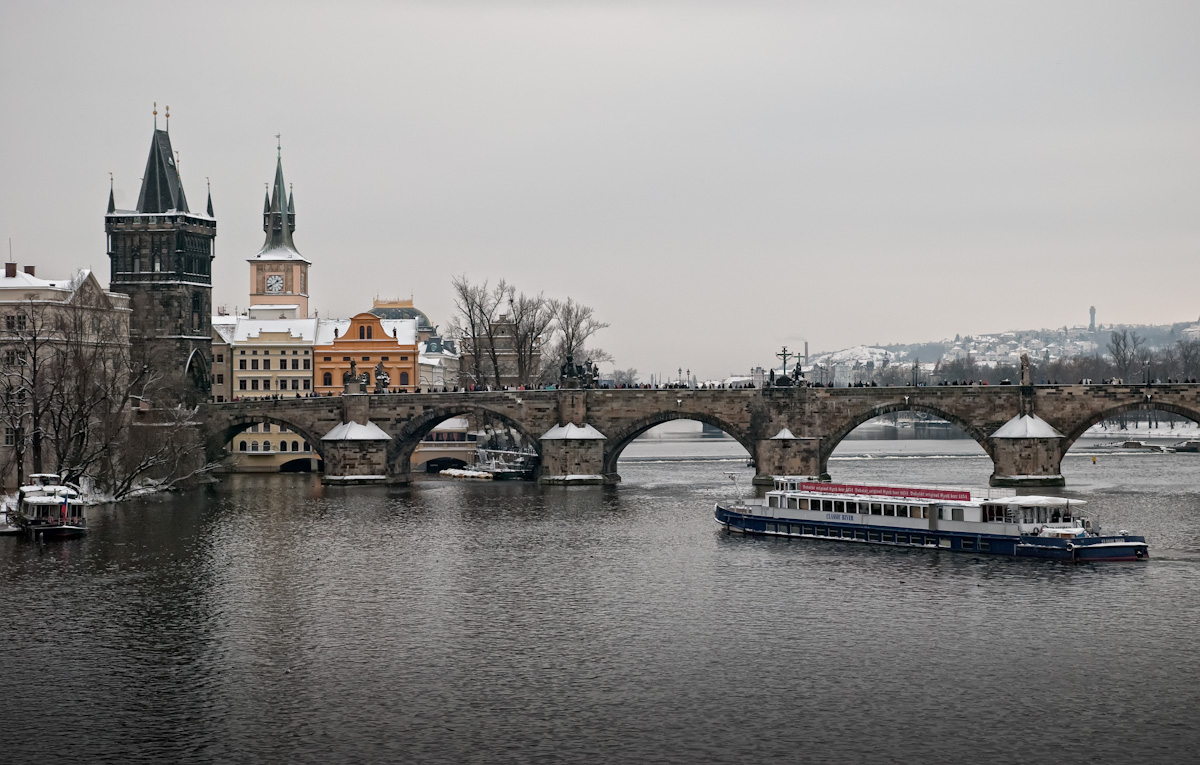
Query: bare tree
point(533, 317)
point(476, 324)
point(1125, 348)
point(576, 325)
point(627, 377)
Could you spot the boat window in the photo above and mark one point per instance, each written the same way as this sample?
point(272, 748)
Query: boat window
point(807, 530)
point(901, 511)
point(985, 545)
point(1043, 515)
point(968, 544)
point(1026, 514)
point(873, 536)
point(773, 501)
point(956, 513)
point(803, 503)
point(876, 508)
point(943, 542)
point(793, 503)
point(889, 536)
point(839, 506)
point(889, 510)
point(902, 538)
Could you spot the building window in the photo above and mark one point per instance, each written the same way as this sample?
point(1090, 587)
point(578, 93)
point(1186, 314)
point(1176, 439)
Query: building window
point(266, 353)
point(283, 446)
point(220, 379)
point(220, 399)
point(366, 358)
point(254, 428)
point(241, 385)
point(254, 385)
point(295, 383)
point(295, 446)
point(10, 436)
point(266, 363)
point(242, 446)
point(220, 357)
point(327, 379)
point(344, 358)
point(20, 321)
point(242, 353)
point(266, 446)
point(267, 384)
point(295, 363)
point(254, 363)
point(383, 358)
point(306, 366)
point(362, 333)
point(306, 447)
point(368, 333)
point(253, 446)
point(306, 353)
point(241, 363)
point(403, 378)
point(306, 383)
point(327, 358)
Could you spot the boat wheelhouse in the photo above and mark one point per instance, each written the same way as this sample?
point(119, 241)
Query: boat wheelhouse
point(993, 521)
point(49, 509)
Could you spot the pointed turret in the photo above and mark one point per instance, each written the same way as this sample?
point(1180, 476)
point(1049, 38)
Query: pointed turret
point(210, 210)
point(291, 209)
point(161, 188)
point(112, 206)
point(279, 220)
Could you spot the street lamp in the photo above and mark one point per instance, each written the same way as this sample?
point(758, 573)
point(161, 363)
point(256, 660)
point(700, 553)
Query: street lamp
point(689, 378)
point(679, 377)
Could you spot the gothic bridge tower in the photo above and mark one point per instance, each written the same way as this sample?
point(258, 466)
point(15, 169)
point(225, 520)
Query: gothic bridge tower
point(160, 254)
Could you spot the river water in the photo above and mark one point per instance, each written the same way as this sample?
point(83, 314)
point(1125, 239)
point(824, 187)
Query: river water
point(270, 619)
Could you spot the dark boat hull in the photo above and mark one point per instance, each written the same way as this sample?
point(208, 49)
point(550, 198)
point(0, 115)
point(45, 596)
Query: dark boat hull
point(1090, 549)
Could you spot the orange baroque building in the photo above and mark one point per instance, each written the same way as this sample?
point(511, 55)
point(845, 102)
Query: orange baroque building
point(366, 341)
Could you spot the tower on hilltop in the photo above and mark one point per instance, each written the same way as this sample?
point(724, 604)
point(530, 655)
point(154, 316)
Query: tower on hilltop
point(279, 273)
point(160, 254)
point(1092, 324)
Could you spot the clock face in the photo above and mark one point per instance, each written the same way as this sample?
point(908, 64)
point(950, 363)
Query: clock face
point(275, 283)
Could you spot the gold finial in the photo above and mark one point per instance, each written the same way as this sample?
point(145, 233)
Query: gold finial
point(278, 146)
point(110, 179)
point(168, 110)
point(156, 115)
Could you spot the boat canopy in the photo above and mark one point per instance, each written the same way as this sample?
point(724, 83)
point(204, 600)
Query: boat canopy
point(1034, 501)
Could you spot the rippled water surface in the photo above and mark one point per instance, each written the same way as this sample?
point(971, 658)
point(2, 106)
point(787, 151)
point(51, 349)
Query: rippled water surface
point(271, 619)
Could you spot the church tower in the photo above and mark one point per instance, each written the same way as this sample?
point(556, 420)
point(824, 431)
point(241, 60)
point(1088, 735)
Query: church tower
point(279, 273)
point(160, 254)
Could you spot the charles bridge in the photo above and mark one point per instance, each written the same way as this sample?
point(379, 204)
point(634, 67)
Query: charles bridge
point(580, 434)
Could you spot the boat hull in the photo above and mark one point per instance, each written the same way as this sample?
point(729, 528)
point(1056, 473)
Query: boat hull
point(1089, 549)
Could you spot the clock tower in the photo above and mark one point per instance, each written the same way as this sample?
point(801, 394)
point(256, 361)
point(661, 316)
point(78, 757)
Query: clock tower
point(279, 273)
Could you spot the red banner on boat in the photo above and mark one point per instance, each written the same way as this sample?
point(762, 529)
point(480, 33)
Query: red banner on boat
point(887, 491)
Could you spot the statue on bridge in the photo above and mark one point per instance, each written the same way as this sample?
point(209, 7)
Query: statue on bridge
point(1026, 377)
point(572, 375)
point(350, 375)
point(382, 378)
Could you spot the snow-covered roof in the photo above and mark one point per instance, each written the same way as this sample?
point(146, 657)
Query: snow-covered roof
point(352, 431)
point(278, 253)
point(1026, 426)
point(405, 330)
point(572, 432)
point(1037, 501)
point(783, 435)
point(300, 330)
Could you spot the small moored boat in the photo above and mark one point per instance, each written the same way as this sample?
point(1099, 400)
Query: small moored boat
point(993, 522)
point(49, 509)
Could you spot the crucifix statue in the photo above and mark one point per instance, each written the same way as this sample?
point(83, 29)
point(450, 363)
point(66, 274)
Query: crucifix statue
point(785, 356)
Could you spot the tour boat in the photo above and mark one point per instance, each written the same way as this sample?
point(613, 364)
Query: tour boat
point(992, 521)
point(49, 509)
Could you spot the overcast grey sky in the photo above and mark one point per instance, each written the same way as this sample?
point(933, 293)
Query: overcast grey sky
point(715, 179)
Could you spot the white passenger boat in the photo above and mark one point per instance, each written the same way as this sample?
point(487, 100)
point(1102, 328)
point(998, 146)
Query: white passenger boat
point(49, 509)
point(8, 523)
point(992, 522)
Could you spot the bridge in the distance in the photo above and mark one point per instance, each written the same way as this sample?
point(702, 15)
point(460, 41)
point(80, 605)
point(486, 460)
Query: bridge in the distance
point(580, 434)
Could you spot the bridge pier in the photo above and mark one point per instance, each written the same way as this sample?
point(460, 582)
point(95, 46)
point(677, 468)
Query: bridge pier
point(573, 454)
point(785, 454)
point(1027, 451)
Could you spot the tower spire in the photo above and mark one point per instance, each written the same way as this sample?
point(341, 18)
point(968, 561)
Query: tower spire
point(279, 213)
point(111, 202)
point(208, 183)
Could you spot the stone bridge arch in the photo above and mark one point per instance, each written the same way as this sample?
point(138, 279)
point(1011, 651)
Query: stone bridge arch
point(617, 441)
point(830, 441)
point(215, 444)
point(410, 434)
point(1146, 405)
